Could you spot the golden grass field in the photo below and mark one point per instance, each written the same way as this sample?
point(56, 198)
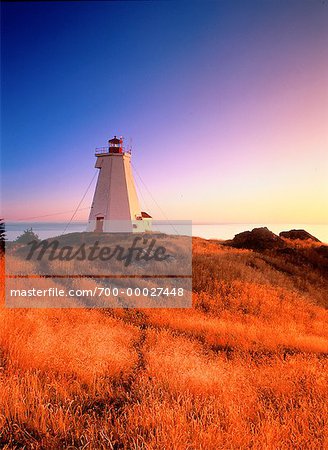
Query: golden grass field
point(245, 368)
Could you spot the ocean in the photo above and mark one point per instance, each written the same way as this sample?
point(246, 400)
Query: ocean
point(205, 230)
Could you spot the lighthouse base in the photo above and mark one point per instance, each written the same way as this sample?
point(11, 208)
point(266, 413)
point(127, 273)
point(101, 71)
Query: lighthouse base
point(119, 226)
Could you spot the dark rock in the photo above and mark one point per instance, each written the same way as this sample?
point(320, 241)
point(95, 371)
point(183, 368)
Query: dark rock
point(298, 234)
point(257, 239)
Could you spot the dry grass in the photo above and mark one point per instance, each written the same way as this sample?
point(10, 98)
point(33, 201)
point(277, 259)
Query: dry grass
point(247, 367)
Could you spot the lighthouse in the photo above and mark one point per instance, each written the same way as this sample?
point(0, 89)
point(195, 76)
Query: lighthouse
point(115, 206)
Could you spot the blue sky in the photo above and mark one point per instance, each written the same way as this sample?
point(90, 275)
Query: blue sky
point(225, 103)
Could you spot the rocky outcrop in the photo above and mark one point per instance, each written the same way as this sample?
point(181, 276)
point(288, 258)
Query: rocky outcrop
point(298, 234)
point(257, 239)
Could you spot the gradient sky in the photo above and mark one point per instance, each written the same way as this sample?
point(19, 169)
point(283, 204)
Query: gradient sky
point(226, 104)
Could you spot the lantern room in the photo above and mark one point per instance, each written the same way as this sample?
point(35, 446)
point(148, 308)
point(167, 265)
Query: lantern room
point(115, 145)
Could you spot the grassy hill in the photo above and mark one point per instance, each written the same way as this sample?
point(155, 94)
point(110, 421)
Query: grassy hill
point(246, 367)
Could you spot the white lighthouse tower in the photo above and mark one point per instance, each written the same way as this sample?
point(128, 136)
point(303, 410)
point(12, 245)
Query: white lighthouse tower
point(115, 206)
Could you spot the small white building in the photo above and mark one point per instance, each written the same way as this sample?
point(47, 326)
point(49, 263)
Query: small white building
point(115, 206)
